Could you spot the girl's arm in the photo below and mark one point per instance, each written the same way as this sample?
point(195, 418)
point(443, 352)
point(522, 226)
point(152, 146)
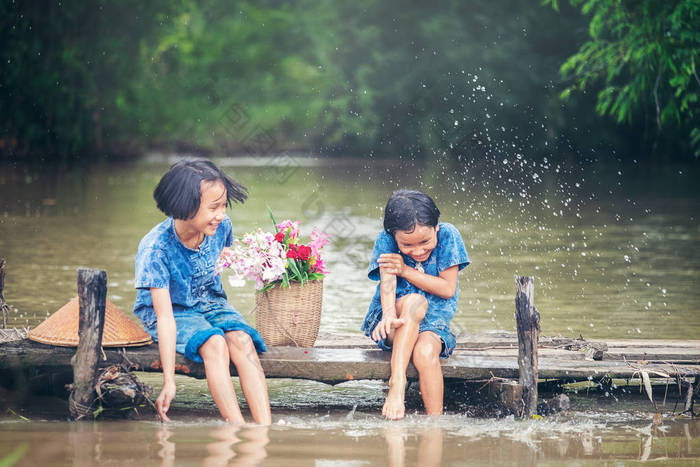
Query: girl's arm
point(387, 294)
point(444, 286)
point(167, 333)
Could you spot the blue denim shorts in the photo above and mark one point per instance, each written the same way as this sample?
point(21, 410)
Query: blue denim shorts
point(433, 321)
point(196, 325)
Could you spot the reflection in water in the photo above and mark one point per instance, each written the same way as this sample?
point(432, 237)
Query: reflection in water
point(251, 450)
point(580, 438)
point(646, 448)
point(221, 450)
point(86, 444)
point(688, 438)
point(396, 446)
point(167, 451)
point(225, 444)
point(587, 444)
point(429, 446)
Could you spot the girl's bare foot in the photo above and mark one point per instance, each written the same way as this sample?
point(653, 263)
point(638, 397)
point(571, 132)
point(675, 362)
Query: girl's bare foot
point(394, 407)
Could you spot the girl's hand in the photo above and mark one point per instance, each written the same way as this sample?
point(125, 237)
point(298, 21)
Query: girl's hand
point(385, 326)
point(391, 263)
point(166, 396)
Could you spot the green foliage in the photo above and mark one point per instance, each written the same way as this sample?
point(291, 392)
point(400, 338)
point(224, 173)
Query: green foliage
point(64, 66)
point(357, 78)
point(642, 56)
point(365, 77)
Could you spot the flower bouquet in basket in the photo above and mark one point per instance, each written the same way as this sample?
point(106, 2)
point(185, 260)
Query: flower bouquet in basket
point(288, 276)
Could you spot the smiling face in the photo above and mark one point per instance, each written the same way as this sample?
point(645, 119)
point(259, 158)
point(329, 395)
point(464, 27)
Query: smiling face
point(212, 208)
point(418, 243)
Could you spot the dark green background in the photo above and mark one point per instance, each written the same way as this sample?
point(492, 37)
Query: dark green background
point(117, 78)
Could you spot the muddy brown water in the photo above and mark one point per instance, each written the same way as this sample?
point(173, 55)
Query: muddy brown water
point(615, 250)
point(581, 438)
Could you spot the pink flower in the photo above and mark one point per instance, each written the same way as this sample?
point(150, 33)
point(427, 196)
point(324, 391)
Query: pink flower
point(319, 266)
point(318, 241)
point(292, 227)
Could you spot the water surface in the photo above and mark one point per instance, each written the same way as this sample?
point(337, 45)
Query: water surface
point(335, 438)
point(615, 249)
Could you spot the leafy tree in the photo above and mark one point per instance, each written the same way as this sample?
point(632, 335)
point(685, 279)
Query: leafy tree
point(64, 67)
point(408, 74)
point(452, 78)
point(642, 56)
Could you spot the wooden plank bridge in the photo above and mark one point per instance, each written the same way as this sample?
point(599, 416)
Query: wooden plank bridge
point(339, 358)
point(499, 357)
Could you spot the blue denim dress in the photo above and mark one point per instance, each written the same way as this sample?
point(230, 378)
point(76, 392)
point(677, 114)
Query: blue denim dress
point(450, 251)
point(200, 306)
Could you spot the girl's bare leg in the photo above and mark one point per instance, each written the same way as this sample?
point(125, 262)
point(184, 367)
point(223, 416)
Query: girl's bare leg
point(214, 352)
point(411, 308)
point(426, 358)
point(250, 374)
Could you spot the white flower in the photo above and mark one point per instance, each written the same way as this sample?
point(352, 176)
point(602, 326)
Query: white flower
point(256, 257)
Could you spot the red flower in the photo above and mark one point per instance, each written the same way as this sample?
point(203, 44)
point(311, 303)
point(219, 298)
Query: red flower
point(280, 236)
point(292, 254)
point(304, 252)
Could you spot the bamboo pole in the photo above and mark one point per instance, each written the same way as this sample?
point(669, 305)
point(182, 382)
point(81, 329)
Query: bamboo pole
point(92, 293)
point(528, 322)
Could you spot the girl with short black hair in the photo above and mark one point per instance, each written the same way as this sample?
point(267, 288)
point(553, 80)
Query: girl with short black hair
point(180, 299)
point(417, 261)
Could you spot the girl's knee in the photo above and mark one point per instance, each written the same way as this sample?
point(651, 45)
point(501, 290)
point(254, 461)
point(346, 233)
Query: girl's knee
point(239, 341)
point(413, 306)
point(214, 348)
point(426, 355)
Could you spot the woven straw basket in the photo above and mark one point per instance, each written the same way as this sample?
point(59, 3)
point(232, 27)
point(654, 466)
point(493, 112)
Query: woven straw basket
point(290, 316)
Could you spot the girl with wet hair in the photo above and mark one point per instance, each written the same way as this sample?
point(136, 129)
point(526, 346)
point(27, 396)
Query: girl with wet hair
point(416, 260)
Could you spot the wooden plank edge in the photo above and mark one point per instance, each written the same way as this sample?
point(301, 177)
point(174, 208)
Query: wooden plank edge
point(334, 365)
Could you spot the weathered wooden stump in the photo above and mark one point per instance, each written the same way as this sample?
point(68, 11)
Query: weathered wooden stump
point(689, 395)
point(92, 293)
point(508, 393)
point(4, 308)
point(528, 323)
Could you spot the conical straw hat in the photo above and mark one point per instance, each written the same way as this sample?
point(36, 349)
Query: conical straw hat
point(61, 328)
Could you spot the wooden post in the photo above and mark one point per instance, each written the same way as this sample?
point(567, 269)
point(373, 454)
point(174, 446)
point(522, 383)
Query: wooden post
point(92, 293)
point(3, 306)
point(689, 395)
point(528, 322)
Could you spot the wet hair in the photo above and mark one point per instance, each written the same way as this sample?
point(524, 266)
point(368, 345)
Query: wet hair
point(179, 192)
point(406, 208)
